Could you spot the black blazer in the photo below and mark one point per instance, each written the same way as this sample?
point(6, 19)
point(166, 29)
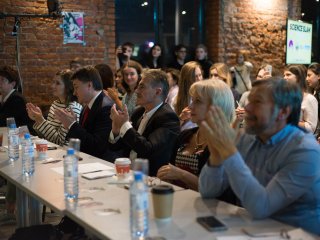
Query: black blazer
point(158, 139)
point(15, 106)
point(94, 134)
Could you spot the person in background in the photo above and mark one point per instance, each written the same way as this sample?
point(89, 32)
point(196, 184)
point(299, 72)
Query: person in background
point(118, 83)
point(202, 58)
point(273, 170)
point(191, 151)
point(221, 71)
point(191, 72)
point(131, 78)
point(180, 54)
point(94, 124)
point(76, 64)
point(153, 127)
point(313, 81)
point(51, 128)
point(13, 104)
point(241, 72)
point(309, 108)
point(173, 79)
point(155, 57)
point(124, 54)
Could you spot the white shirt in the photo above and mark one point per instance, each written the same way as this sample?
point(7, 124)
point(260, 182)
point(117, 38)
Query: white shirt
point(127, 125)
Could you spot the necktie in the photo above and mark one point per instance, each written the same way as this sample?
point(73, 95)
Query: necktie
point(85, 115)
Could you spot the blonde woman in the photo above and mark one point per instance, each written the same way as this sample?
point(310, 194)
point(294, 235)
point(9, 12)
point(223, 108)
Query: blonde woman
point(191, 152)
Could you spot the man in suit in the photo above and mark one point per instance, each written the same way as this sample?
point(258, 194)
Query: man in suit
point(95, 124)
point(13, 103)
point(154, 128)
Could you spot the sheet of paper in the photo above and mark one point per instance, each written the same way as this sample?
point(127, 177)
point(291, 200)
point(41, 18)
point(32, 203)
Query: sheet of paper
point(86, 168)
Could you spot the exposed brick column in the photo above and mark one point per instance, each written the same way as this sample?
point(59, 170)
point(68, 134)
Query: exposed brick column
point(42, 51)
point(257, 26)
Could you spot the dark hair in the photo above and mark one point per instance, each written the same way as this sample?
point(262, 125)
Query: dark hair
point(89, 74)
point(179, 46)
point(300, 71)
point(131, 64)
point(106, 75)
point(160, 59)
point(158, 78)
point(11, 75)
point(315, 68)
point(284, 94)
point(65, 76)
point(129, 44)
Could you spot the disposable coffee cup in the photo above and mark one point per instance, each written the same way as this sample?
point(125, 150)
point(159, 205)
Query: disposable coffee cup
point(162, 198)
point(122, 166)
point(42, 149)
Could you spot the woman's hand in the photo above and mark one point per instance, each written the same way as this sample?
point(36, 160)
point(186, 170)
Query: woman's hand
point(35, 113)
point(185, 115)
point(169, 172)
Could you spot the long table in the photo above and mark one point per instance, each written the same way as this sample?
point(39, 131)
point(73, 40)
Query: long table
point(103, 207)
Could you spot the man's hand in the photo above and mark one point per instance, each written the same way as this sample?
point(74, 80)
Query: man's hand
point(118, 119)
point(35, 113)
point(219, 136)
point(65, 117)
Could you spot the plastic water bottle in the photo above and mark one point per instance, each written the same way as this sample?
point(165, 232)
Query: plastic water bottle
point(13, 142)
point(139, 216)
point(27, 156)
point(70, 165)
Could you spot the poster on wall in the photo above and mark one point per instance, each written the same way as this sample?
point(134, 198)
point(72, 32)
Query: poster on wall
point(73, 27)
point(299, 42)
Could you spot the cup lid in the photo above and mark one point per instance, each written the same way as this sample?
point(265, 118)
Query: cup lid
point(41, 141)
point(162, 189)
point(122, 161)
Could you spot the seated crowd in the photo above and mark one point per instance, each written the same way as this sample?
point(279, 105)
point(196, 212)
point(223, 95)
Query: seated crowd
point(202, 126)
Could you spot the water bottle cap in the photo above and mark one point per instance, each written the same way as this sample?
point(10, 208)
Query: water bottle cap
point(70, 151)
point(12, 125)
point(26, 136)
point(138, 176)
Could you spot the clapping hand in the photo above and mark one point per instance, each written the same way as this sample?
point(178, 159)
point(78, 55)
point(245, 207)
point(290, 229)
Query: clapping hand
point(220, 136)
point(118, 118)
point(34, 113)
point(65, 116)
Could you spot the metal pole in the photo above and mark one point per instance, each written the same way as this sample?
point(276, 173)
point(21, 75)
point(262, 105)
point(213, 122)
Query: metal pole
point(177, 23)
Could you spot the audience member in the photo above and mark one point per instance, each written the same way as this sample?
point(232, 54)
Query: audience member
point(76, 64)
point(222, 72)
point(13, 104)
point(313, 81)
point(124, 54)
point(180, 54)
point(191, 152)
point(95, 123)
point(153, 127)
point(309, 107)
point(241, 72)
point(191, 72)
point(155, 58)
point(118, 82)
point(173, 79)
point(51, 128)
point(274, 169)
point(202, 59)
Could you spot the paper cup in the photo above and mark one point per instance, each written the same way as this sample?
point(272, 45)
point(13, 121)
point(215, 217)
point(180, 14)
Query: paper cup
point(122, 166)
point(42, 148)
point(162, 198)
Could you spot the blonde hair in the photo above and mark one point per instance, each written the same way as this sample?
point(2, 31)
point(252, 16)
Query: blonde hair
point(223, 72)
point(216, 93)
point(187, 78)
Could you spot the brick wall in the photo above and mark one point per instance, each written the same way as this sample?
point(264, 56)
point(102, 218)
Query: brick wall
point(257, 26)
point(42, 51)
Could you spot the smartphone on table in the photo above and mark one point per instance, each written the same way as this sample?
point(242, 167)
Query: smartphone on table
point(211, 223)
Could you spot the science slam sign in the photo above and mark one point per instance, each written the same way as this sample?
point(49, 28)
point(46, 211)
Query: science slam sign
point(299, 41)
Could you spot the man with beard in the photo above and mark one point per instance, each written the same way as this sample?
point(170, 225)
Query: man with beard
point(154, 126)
point(274, 169)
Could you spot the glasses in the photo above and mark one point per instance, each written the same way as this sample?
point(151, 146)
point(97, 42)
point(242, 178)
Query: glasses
point(182, 51)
